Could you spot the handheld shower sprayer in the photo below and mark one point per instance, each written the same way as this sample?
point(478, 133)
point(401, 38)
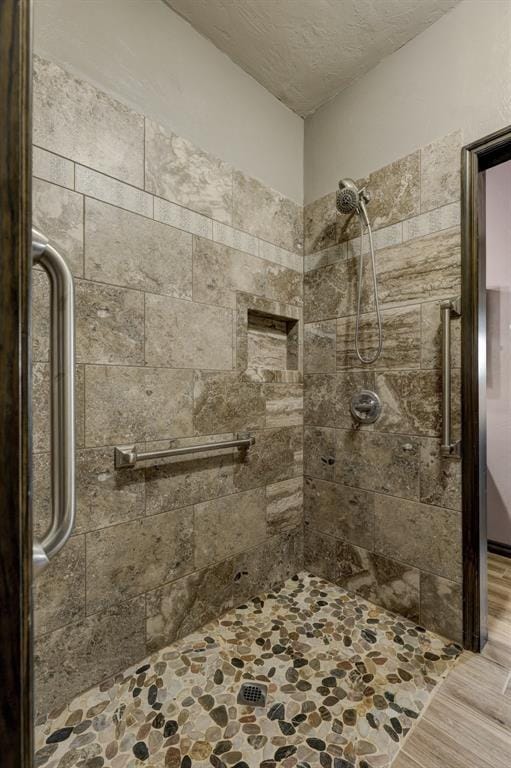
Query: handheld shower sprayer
point(351, 199)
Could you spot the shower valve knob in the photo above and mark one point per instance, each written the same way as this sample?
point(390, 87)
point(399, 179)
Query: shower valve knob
point(365, 406)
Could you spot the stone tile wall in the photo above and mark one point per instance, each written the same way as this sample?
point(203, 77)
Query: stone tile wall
point(382, 509)
point(171, 250)
point(166, 243)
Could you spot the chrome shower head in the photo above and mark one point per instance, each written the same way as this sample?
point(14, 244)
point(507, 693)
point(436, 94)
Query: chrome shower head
point(351, 199)
point(348, 196)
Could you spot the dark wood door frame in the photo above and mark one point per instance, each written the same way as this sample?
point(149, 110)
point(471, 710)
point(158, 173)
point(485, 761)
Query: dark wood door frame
point(15, 523)
point(476, 158)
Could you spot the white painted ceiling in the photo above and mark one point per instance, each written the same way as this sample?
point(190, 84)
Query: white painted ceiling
point(306, 51)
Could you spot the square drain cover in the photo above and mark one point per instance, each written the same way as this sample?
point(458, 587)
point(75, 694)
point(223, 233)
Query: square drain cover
point(253, 694)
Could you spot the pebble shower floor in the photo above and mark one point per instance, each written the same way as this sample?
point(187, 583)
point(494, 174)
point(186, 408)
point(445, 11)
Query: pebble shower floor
point(346, 681)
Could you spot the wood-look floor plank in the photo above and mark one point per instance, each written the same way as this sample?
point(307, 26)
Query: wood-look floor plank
point(497, 651)
point(431, 747)
point(478, 733)
point(403, 760)
point(479, 684)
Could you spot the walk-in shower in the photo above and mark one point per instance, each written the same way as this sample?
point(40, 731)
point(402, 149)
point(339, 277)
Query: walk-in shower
point(350, 199)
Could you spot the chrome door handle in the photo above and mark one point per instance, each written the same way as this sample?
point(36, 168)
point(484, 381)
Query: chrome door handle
point(62, 400)
point(448, 309)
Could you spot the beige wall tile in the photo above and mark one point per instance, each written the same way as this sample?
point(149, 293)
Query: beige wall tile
point(235, 238)
point(184, 334)
point(441, 606)
point(224, 403)
point(131, 558)
point(431, 337)
point(336, 510)
point(220, 271)
point(109, 324)
point(446, 217)
point(401, 339)
point(269, 564)
point(411, 402)
point(283, 284)
point(54, 168)
point(378, 462)
point(229, 525)
point(319, 341)
point(126, 404)
point(284, 404)
point(125, 249)
point(319, 452)
point(59, 591)
point(320, 224)
point(177, 170)
point(276, 455)
point(94, 184)
point(41, 494)
point(324, 257)
point(92, 129)
point(320, 554)
point(394, 191)
point(425, 268)
point(177, 482)
point(440, 171)
point(331, 291)
point(385, 582)
point(97, 647)
point(272, 252)
point(267, 214)
point(426, 537)
point(105, 496)
point(327, 397)
point(284, 505)
point(182, 218)
point(440, 477)
point(41, 406)
point(40, 304)
point(58, 214)
point(175, 610)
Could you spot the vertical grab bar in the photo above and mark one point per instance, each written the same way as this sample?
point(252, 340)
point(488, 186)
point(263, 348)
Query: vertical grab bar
point(62, 401)
point(448, 309)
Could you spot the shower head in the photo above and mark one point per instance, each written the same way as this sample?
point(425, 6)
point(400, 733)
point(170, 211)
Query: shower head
point(348, 196)
point(351, 199)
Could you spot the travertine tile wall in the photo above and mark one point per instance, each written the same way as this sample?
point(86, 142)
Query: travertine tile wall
point(382, 509)
point(167, 245)
point(171, 248)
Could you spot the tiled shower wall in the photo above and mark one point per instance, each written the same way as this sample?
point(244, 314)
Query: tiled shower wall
point(382, 508)
point(169, 247)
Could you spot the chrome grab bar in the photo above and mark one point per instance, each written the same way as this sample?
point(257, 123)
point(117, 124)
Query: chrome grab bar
point(448, 309)
point(127, 457)
point(62, 400)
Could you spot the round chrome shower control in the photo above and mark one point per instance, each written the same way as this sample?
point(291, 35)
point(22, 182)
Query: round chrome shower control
point(365, 406)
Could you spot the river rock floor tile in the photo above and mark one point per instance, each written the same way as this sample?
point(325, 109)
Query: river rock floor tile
point(345, 682)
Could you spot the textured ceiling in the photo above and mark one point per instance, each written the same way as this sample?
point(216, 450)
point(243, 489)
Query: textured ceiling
point(306, 51)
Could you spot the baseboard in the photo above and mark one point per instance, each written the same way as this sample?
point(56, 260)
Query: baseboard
point(499, 548)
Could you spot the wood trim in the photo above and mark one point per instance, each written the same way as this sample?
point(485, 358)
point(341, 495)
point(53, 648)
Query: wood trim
point(15, 523)
point(476, 157)
point(499, 548)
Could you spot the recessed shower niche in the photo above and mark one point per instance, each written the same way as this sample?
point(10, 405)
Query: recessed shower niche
point(268, 340)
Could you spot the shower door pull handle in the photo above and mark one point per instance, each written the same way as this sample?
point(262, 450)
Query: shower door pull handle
point(448, 309)
point(61, 401)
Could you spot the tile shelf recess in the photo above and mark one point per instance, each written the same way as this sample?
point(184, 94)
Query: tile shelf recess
point(268, 340)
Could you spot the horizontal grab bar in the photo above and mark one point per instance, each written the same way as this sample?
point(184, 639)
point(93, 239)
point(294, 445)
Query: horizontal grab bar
point(127, 457)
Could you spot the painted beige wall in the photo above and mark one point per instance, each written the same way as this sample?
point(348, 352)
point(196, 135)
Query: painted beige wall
point(455, 74)
point(145, 55)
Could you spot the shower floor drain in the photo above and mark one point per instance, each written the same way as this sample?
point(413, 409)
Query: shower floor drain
point(253, 694)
